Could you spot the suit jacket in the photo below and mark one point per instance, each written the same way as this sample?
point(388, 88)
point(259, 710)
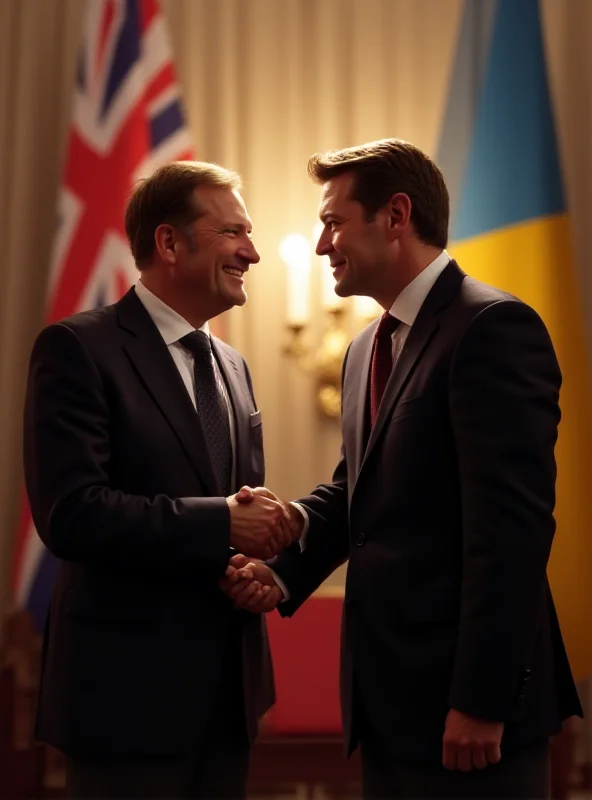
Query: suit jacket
point(123, 493)
point(445, 512)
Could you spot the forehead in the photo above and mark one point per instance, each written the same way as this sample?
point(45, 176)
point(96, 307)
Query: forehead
point(336, 193)
point(222, 203)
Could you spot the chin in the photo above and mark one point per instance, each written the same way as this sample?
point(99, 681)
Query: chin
point(237, 300)
point(343, 289)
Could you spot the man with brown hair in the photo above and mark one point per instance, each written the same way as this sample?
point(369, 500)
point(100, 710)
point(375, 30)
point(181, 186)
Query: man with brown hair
point(454, 673)
point(139, 429)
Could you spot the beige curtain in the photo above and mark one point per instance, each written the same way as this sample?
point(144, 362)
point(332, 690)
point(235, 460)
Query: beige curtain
point(266, 83)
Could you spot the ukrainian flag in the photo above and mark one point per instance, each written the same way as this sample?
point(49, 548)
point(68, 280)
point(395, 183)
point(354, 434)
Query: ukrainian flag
point(510, 228)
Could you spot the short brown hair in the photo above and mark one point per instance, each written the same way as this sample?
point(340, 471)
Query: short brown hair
point(167, 196)
point(384, 168)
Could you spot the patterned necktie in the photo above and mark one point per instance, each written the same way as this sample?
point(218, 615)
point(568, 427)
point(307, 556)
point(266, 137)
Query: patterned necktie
point(211, 408)
point(382, 361)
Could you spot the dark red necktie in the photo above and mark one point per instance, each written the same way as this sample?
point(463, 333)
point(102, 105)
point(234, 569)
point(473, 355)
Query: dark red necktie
point(382, 361)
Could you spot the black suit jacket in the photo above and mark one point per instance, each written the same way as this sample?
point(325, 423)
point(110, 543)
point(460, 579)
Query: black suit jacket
point(445, 512)
point(122, 491)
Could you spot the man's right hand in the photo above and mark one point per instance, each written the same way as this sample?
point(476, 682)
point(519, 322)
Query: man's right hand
point(246, 495)
point(259, 528)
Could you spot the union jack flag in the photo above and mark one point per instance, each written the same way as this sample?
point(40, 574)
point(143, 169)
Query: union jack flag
point(127, 120)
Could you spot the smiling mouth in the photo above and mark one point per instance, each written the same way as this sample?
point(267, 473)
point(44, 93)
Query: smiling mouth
point(235, 271)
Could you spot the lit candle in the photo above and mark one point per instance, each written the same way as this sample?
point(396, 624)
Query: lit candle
point(295, 253)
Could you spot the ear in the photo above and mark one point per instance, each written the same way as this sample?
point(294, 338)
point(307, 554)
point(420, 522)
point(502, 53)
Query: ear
point(398, 214)
point(165, 240)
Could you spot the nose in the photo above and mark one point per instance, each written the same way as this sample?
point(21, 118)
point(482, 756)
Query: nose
point(249, 253)
point(324, 245)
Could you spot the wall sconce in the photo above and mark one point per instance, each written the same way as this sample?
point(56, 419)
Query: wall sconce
point(325, 359)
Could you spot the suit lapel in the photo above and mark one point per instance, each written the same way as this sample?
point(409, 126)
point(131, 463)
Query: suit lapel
point(236, 392)
point(422, 331)
point(157, 370)
point(417, 340)
point(355, 395)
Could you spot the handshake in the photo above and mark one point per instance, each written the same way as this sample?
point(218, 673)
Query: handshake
point(261, 526)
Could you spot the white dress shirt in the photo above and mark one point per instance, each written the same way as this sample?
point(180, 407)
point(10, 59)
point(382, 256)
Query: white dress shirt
point(408, 304)
point(172, 327)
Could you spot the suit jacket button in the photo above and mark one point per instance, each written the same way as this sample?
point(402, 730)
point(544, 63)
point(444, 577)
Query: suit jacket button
point(360, 539)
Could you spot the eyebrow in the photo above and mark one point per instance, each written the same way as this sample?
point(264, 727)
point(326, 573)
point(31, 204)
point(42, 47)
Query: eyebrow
point(241, 225)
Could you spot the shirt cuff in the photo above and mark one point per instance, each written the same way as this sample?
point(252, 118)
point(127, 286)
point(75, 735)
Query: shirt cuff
point(304, 513)
point(281, 584)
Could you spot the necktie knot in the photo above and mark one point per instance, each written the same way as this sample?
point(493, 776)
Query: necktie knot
point(198, 343)
point(387, 326)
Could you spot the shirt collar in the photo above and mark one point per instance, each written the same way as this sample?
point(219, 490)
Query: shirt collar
point(406, 306)
point(172, 326)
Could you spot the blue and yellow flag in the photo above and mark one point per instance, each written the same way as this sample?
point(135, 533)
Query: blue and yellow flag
point(510, 228)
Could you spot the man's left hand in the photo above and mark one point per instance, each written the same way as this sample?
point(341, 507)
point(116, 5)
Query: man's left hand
point(470, 743)
point(250, 585)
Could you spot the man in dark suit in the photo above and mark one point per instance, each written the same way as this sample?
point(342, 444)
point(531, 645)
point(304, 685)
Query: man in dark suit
point(454, 673)
point(139, 427)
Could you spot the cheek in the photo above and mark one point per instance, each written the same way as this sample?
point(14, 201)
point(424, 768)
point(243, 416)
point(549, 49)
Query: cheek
point(225, 253)
point(351, 249)
point(339, 242)
point(198, 269)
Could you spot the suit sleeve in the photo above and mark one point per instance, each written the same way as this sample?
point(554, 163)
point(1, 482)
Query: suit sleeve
point(79, 516)
point(504, 406)
point(327, 541)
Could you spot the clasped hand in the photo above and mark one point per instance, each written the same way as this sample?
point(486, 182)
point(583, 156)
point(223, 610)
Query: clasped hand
point(250, 584)
point(261, 525)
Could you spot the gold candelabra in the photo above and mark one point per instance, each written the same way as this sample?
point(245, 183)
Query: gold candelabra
point(324, 362)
